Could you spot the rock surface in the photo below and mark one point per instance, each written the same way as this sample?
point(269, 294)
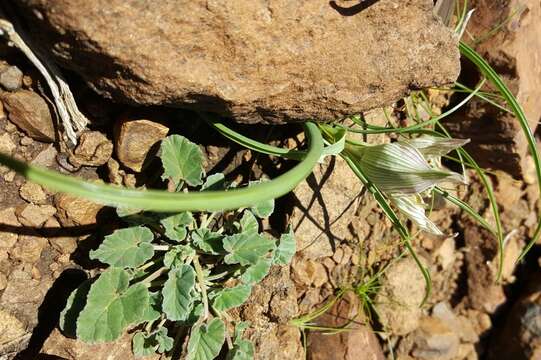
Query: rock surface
point(497, 139)
point(135, 139)
point(30, 112)
point(271, 61)
point(94, 149)
point(359, 342)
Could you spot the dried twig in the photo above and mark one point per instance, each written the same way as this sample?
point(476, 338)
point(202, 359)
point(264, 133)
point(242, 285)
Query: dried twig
point(67, 109)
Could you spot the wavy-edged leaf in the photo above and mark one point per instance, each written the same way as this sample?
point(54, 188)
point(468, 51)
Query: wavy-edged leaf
point(126, 248)
point(143, 345)
point(111, 306)
point(242, 350)
point(176, 225)
point(246, 248)
point(153, 310)
point(182, 160)
point(249, 223)
point(255, 273)
point(286, 248)
point(229, 298)
point(177, 293)
point(262, 209)
point(177, 255)
point(206, 340)
point(165, 342)
point(214, 182)
point(74, 305)
point(208, 241)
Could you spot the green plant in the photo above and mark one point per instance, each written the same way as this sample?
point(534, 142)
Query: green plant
point(170, 274)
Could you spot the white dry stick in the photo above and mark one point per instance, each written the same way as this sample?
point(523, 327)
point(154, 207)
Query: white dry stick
point(63, 98)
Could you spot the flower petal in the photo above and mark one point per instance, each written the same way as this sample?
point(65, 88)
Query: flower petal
point(414, 210)
point(399, 168)
point(435, 146)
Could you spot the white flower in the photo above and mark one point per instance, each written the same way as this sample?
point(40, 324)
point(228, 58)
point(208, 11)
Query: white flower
point(405, 169)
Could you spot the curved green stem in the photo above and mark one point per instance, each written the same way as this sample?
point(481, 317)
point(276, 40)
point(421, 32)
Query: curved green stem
point(159, 200)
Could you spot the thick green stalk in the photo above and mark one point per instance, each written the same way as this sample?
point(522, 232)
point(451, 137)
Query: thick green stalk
point(159, 200)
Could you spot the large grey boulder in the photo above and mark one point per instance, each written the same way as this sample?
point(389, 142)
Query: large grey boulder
point(258, 61)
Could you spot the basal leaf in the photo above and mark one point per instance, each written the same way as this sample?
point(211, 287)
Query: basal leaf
point(177, 297)
point(143, 345)
point(206, 340)
point(207, 241)
point(265, 208)
point(165, 343)
point(242, 350)
point(175, 225)
point(214, 182)
point(248, 222)
point(74, 305)
point(286, 248)
point(111, 306)
point(229, 298)
point(153, 309)
point(126, 248)
point(182, 160)
point(255, 273)
point(246, 248)
point(176, 257)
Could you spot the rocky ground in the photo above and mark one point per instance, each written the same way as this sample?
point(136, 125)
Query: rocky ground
point(343, 238)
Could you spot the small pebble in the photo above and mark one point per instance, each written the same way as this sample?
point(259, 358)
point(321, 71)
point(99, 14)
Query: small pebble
point(11, 78)
point(25, 141)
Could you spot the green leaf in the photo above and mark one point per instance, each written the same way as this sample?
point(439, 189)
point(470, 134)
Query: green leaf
point(262, 209)
point(242, 350)
point(74, 305)
point(126, 248)
point(255, 273)
point(165, 343)
point(214, 182)
point(182, 160)
point(248, 222)
point(246, 248)
point(286, 248)
point(153, 309)
point(143, 345)
point(229, 298)
point(111, 306)
point(208, 241)
point(206, 340)
point(176, 257)
point(175, 225)
point(177, 297)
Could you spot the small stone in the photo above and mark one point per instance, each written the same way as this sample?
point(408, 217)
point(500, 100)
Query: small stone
point(34, 215)
point(338, 255)
point(6, 144)
point(11, 78)
point(10, 127)
point(8, 218)
point(30, 112)
point(46, 158)
point(94, 149)
point(65, 244)
point(309, 272)
point(446, 253)
point(135, 139)
point(10, 176)
point(28, 249)
point(76, 211)
point(33, 193)
point(434, 340)
point(25, 141)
